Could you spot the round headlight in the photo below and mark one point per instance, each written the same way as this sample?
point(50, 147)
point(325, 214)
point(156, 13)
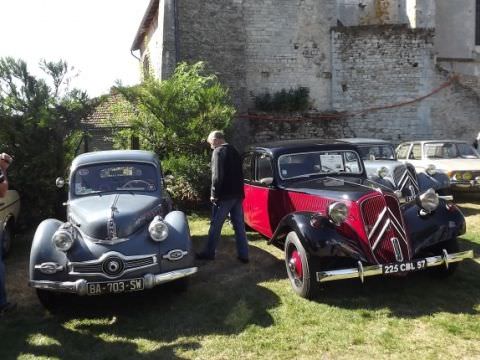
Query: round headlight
point(62, 240)
point(337, 212)
point(428, 201)
point(158, 229)
point(467, 176)
point(431, 170)
point(383, 172)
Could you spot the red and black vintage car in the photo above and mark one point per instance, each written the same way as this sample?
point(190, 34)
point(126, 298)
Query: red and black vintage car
point(314, 201)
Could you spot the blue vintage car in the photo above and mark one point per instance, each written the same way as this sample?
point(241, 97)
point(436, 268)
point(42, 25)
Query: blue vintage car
point(121, 234)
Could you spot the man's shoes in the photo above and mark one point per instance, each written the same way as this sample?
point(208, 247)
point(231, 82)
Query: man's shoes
point(202, 256)
point(243, 260)
point(7, 307)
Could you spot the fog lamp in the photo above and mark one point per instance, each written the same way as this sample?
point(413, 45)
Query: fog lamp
point(428, 201)
point(337, 213)
point(467, 176)
point(158, 229)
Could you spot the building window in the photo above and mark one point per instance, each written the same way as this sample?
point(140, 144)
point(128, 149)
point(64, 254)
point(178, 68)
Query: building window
point(477, 23)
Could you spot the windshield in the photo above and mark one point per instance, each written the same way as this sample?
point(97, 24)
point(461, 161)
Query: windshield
point(319, 162)
point(377, 152)
point(448, 150)
point(99, 178)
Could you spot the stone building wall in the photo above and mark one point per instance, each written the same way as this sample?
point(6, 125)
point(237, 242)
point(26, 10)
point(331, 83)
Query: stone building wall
point(380, 66)
point(261, 46)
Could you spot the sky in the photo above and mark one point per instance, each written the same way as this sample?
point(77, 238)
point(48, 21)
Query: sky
point(93, 36)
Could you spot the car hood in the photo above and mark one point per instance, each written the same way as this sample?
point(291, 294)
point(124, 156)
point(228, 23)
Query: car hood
point(457, 164)
point(345, 188)
point(109, 216)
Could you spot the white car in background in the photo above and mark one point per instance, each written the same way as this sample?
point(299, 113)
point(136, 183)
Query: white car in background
point(458, 159)
point(9, 210)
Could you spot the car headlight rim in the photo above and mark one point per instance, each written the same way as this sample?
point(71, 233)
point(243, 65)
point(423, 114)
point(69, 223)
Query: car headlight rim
point(431, 170)
point(158, 229)
point(383, 172)
point(429, 200)
point(337, 213)
point(63, 239)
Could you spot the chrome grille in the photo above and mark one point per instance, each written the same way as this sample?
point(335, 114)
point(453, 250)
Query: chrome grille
point(406, 180)
point(385, 228)
point(97, 267)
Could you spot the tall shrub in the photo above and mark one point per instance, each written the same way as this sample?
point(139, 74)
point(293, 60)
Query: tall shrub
point(39, 120)
point(173, 117)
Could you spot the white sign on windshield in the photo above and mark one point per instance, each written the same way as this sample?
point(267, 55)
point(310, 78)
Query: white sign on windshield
point(331, 163)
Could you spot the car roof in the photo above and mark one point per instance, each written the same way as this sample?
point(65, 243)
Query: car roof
point(287, 146)
point(115, 156)
point(365, 141)
point(435, 141)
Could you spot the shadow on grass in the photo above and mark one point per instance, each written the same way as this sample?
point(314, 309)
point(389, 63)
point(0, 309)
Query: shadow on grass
point(416, 295)
point(223, 299)
point(469, 209)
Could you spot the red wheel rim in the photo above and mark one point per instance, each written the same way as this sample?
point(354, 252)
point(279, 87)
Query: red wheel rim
point(295, 264)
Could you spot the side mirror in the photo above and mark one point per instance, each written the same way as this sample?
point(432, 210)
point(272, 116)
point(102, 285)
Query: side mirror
point(60, 182)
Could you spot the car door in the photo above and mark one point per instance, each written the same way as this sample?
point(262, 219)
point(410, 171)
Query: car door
point(262, 195)
point(247, 161)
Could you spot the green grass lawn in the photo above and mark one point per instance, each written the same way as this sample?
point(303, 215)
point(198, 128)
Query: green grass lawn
point(234, 311)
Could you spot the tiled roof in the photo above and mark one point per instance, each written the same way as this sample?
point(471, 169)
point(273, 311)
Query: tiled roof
point(101, 117)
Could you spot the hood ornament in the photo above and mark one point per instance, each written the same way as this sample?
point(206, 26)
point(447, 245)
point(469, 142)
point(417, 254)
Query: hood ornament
point(111, 225)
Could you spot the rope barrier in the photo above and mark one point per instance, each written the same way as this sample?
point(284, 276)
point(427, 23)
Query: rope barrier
point(346, 114)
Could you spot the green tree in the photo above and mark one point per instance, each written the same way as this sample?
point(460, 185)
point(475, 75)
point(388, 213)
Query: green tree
point(173, 117)
point(39, 119)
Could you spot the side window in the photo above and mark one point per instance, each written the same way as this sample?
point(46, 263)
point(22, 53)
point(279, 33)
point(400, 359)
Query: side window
point(247, 167)
point(263, 169)
point(416, 153)
point(402, 151)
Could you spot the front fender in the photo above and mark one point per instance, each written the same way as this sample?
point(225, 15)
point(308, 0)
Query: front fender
point(324, 241)
point(179, 232)
point(438, 181)
point(443, 224)
point(42, 247)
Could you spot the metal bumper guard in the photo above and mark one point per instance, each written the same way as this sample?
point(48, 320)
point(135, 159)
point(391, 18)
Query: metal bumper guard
point(373, 270)
point(80, 286)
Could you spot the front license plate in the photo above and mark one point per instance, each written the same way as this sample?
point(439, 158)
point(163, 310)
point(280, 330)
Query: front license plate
point(404, 267)
point(114, 287)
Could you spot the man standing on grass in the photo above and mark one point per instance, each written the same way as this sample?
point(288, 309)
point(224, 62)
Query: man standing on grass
point(5, 306)
point(226, 197)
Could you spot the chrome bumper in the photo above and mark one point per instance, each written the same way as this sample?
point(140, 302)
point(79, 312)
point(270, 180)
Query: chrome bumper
point(80, 286)
point(373, 270)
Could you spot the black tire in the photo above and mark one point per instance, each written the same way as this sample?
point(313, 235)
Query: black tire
point(441, 272)
point(7, 238)
point(50, 300)
point(301, 275)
